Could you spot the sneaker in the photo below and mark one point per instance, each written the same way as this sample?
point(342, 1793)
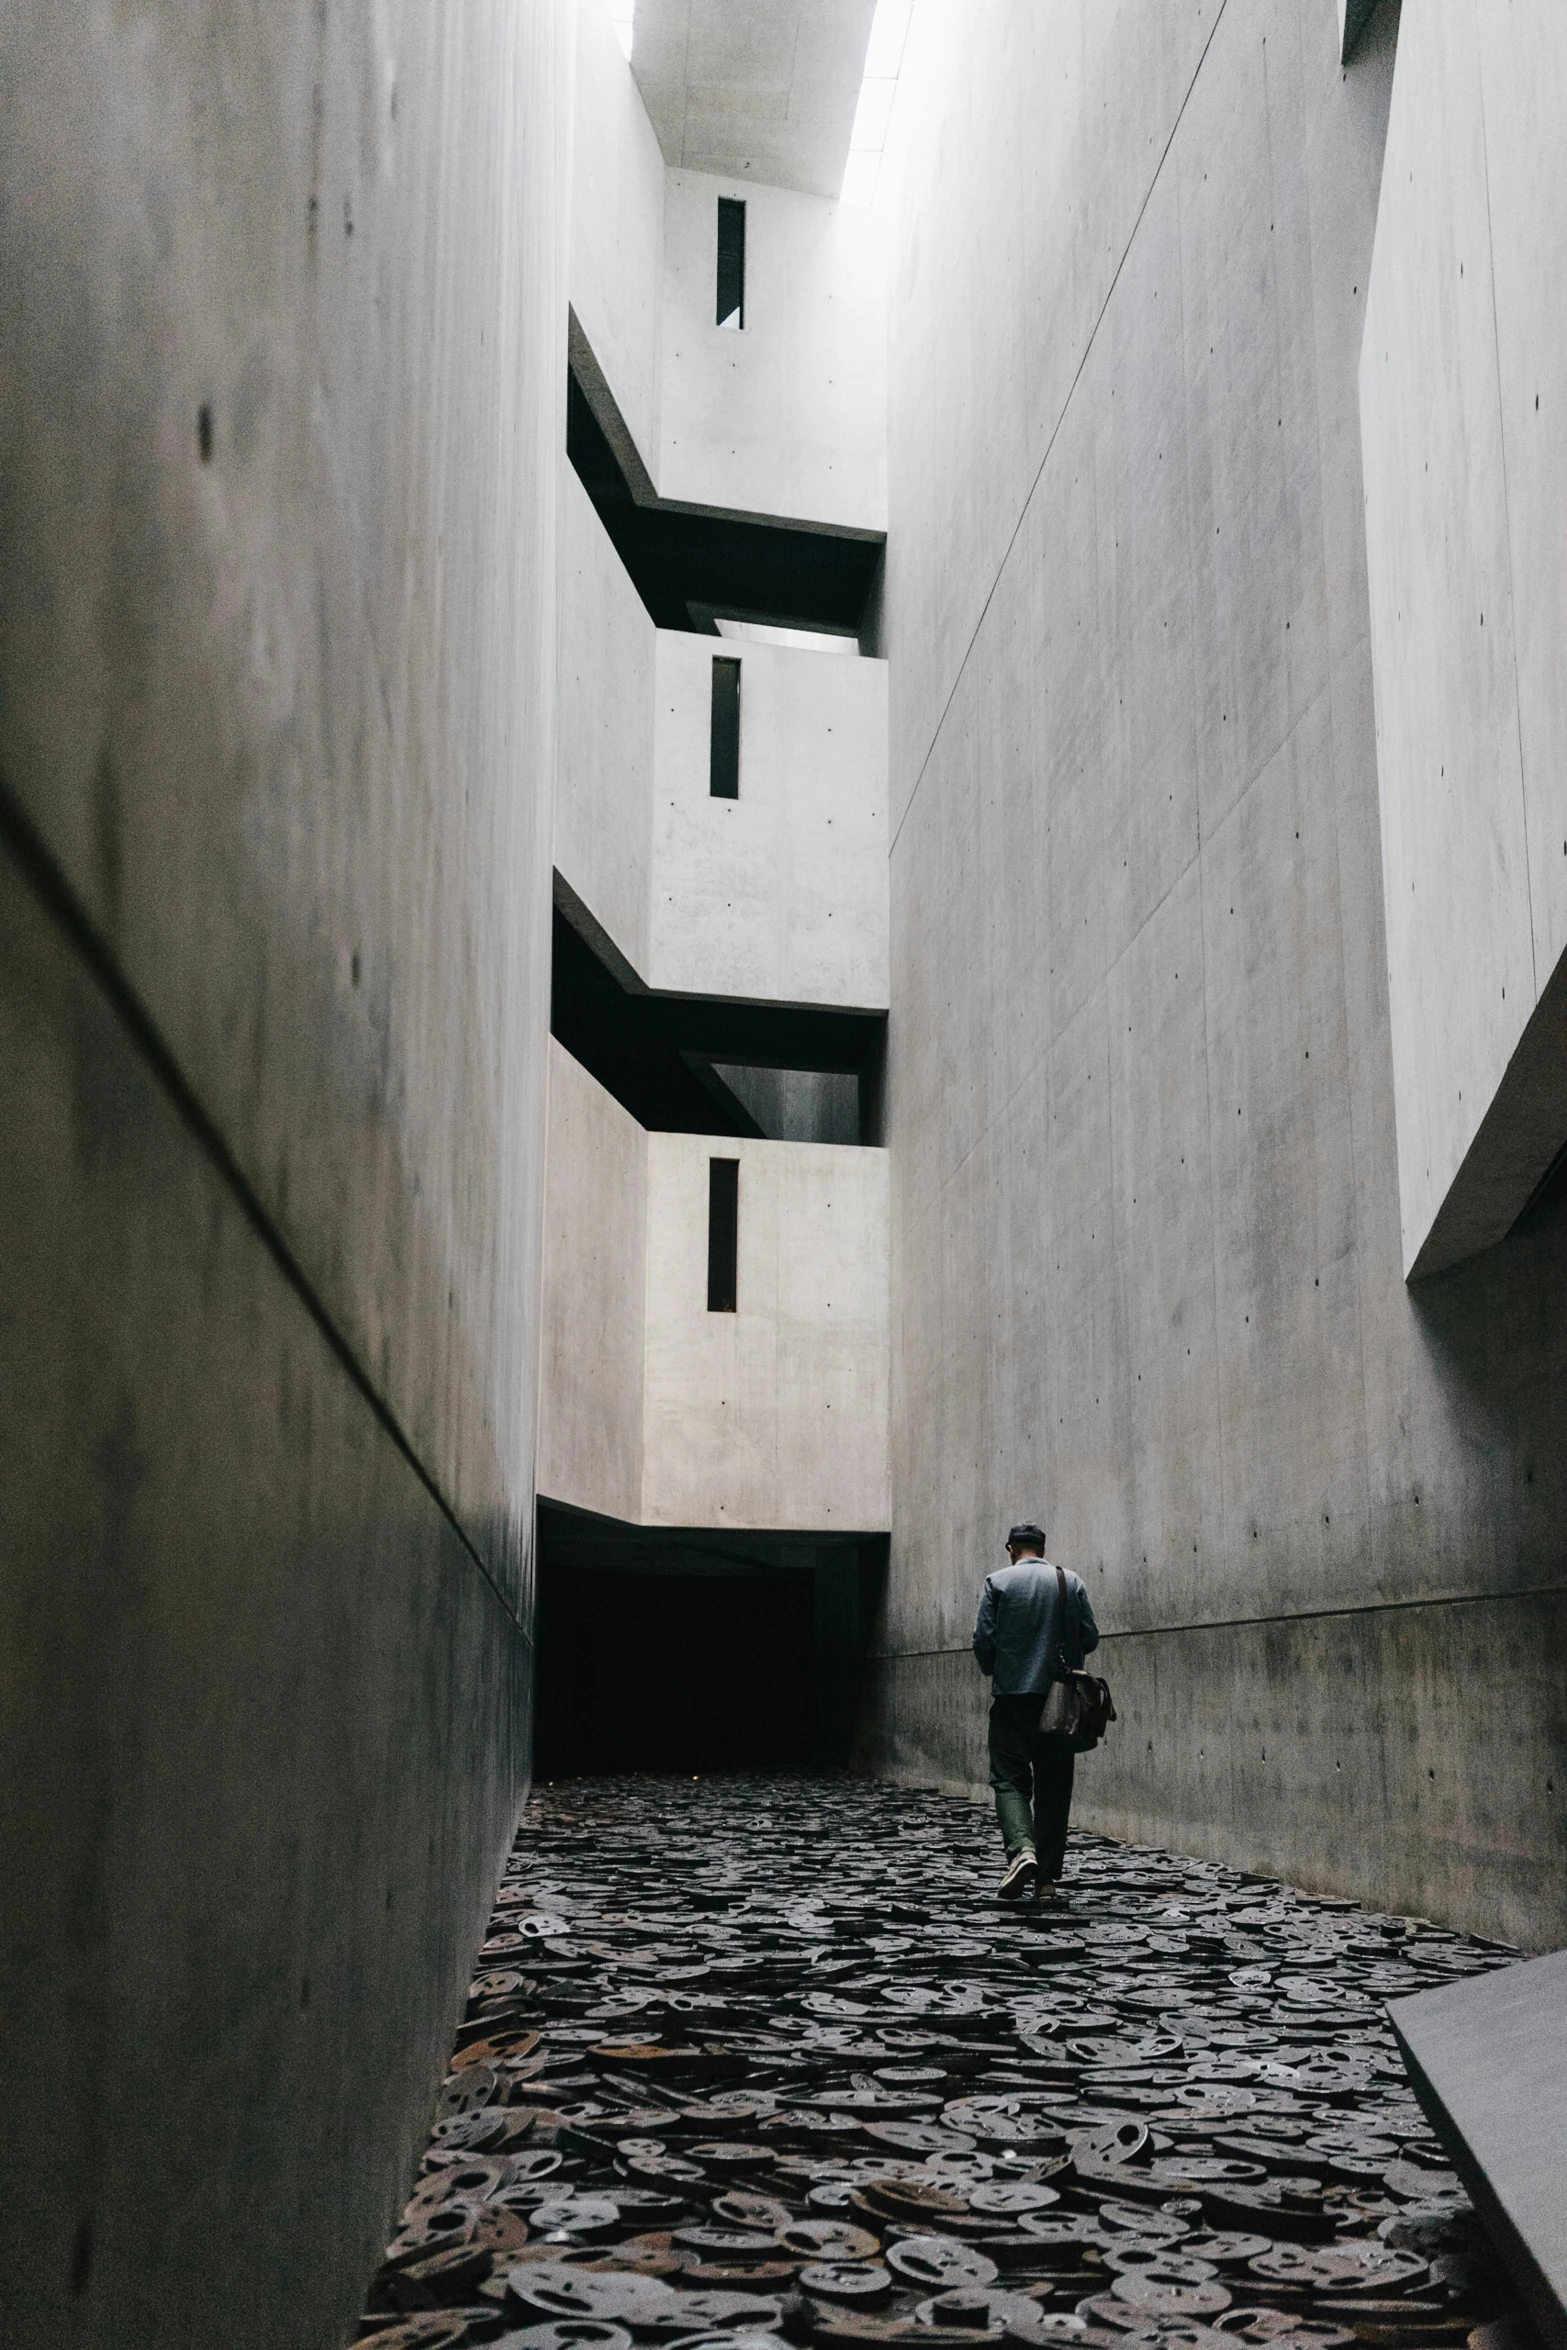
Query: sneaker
point(1020, 1876)
point(1047, 1893)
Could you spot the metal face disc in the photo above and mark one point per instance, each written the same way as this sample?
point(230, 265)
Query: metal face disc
point(743, 2050)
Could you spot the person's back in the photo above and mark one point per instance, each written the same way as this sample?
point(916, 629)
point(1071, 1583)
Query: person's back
point(1022, 1629)
point(1034, 1622)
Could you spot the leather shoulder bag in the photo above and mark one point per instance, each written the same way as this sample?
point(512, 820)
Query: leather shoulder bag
point(1078, 1707)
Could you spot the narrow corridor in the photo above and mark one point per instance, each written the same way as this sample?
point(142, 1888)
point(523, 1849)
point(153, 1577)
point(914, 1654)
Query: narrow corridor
point(765, 2057)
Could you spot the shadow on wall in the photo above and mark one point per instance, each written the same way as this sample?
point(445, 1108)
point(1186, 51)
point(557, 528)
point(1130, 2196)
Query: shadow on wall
point(1490, 1328)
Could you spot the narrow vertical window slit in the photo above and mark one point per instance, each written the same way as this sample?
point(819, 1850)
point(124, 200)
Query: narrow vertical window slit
point(723, 761)
point(731, 261)
point(723, 1235)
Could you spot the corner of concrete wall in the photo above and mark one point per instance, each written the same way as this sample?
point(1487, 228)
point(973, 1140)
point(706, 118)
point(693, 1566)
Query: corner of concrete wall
point(1465, 456)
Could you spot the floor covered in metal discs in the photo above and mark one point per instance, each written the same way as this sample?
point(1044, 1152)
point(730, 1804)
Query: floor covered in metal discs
point(763, 2057)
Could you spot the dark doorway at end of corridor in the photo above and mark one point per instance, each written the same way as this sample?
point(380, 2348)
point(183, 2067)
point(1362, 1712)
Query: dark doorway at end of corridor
point(664, 1650)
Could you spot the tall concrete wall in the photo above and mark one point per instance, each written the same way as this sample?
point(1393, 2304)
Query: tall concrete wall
point(603, 837)
point(283, 308)
point(617, 227)
point(595, 1298)
point(657, 1412)
point(786, 416)
point(775, 1415)
point(779, 894)
point(1466, 472)
point(1147, 1270)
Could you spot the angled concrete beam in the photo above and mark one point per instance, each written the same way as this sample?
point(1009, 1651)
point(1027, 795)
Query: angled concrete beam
point(1488, 2061)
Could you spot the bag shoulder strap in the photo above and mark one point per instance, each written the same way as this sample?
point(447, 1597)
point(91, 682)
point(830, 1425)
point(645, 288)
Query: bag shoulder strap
point(1061, 1638)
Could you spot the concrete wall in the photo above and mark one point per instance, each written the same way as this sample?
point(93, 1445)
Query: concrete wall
point(781, 893)
point(595, 1297)
point(659, 1413)
point(284, 308)
point(786, 416)
point(617, 227)
point(1147, 1270)
point(775, 1415)
point(608, 698)
point(1466, 469)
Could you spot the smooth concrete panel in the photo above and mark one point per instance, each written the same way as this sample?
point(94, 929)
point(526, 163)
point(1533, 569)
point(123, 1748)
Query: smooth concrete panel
point(617, 226)
point(1147, 1277)
point(1464, 464)
point(1165, 1253)
point(775, 1415)
point(1023, 147)
point(1337, 1751)
point(781, 893)
point(767, 92)
point(1523, 69)
point(1260, 587)
point(263, 1730)
point(787, 416)
point(285, 298)
point(604, 775)
point(1286, 1304)
point(1488, 2062)
point(594, 1306)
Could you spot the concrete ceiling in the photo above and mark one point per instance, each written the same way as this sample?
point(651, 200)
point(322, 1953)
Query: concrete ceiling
point(754, 89)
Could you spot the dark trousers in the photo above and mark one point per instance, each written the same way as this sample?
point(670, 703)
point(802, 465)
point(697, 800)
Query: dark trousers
point(1032, 1777)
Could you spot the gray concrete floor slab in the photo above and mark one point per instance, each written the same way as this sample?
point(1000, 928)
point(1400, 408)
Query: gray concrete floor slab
point(1489, 2065)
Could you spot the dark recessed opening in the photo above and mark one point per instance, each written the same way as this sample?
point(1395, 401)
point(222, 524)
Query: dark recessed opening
point(663, 1649)
point(723, 1236)
point(673, 1672)
point(723, 750)
point(687, 566)
point(731, 262)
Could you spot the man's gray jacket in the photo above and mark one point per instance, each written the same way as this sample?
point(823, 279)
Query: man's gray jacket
point(1019, 1628)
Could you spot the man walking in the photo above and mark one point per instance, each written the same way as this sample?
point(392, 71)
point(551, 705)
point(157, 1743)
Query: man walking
point(1030, 1615)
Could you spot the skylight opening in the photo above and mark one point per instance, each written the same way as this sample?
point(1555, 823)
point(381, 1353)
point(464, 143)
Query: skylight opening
point(620, 12)
point(883, 62)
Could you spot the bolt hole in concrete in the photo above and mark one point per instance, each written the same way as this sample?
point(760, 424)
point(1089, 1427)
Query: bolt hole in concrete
point(760, 2059)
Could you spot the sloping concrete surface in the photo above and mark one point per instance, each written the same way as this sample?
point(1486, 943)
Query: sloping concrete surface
point(757, 89)
point(1488, 2061)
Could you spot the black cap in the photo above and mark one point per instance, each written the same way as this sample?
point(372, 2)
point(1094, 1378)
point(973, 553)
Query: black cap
point(1027, 1533)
